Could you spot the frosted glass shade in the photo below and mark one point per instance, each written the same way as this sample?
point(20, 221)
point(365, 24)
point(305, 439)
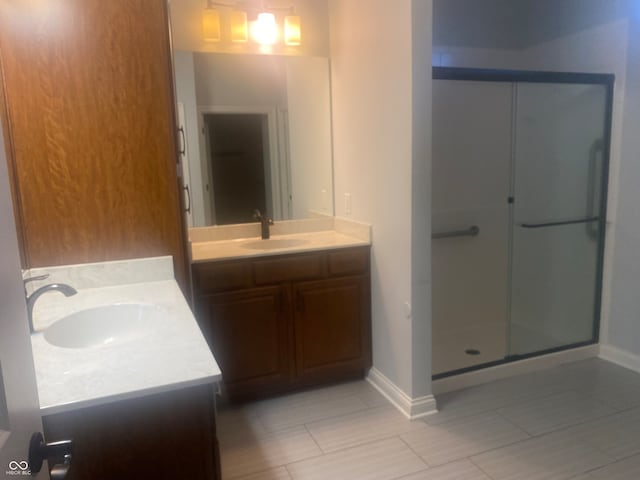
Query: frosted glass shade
point(265, 30)
point(292, 31)
point(239, 31)
point(211, 25)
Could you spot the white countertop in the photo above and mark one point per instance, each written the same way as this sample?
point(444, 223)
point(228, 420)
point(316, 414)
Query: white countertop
point(170, 357)
point(294, 236)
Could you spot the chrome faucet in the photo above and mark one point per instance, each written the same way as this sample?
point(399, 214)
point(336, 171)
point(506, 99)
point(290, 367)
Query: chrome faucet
point(264, 223)
point(67, 290)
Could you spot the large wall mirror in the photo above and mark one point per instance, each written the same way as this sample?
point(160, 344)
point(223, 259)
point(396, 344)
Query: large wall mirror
point(256, 128)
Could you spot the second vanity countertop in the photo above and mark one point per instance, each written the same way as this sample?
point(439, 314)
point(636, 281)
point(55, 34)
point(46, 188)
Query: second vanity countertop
point(293, 236)
point(170, 356)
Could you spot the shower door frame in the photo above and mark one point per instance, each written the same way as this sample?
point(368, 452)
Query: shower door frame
point(549, 77)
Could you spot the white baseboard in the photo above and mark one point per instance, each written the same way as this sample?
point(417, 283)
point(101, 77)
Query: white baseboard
point(412, 408)
point(620, 357)
point(511, 369)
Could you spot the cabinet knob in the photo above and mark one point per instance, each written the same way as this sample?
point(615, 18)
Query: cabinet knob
point(39, 451)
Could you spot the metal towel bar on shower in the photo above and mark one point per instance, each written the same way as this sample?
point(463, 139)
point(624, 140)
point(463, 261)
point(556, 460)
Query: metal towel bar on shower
point(472, 231)
point(557, 224)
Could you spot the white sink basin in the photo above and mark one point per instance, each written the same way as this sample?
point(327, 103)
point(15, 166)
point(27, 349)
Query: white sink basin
point(104, 325)
point(274, 243)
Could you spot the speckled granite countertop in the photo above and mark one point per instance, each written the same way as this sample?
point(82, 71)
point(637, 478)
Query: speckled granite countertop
point(172, 355)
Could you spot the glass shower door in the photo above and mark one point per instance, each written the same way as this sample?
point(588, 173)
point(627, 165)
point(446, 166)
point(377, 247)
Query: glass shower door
point(558, 215)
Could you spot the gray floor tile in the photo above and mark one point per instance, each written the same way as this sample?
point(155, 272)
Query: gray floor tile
point(555, 456)
point(239, 424)
point(628, 469)
point(488, 397)
point(460, 470)
point(454, 440)
point(616, 435)
point(242, 457)
point(591, 407)
point(280, 473)
point(383, 460)
point(556, 411)
point(278, 414)
point(361, 427)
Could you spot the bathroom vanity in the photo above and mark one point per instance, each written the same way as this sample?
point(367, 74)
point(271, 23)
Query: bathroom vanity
point(285, 313)
point(163, 436)
point(124, 371)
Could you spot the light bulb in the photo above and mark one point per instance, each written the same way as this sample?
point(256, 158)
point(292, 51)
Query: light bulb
point(265, 30)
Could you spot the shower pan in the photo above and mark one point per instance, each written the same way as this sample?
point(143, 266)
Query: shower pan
point(520, 173)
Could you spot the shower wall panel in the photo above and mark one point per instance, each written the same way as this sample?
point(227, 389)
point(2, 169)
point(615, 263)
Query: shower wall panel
point(471, 171)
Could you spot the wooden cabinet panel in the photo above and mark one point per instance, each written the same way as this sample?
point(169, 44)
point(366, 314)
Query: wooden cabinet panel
point(90, 109)
point(164, 437)
point(292, 333)
point(249, 335)
point(288, 268)
point(354, 261)
point(331, 324)
point(220, 276)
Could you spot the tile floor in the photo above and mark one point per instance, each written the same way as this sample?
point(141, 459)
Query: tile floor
point(579, 421)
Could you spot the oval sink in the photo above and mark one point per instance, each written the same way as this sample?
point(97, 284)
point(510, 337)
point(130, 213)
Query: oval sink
point(274, 243)
point(104, 325)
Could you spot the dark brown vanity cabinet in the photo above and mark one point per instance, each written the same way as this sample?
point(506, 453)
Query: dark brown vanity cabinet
point(289, 321)
point(163, 436)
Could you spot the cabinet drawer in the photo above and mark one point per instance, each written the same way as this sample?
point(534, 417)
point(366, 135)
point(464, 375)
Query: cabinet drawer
point(349, 262)
point(212, 277)
point(288, 269)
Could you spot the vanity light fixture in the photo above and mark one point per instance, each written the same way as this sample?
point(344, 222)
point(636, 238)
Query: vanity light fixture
point(211, 23)
point(224, 16)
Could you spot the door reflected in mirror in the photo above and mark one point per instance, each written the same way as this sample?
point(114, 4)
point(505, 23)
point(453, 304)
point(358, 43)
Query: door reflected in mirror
point(257, 135)
point(238, 155)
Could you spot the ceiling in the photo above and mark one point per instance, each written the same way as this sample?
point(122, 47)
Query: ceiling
point(518, 24)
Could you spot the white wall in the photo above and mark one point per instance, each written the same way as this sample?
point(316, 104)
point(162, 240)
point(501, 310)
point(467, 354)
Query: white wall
point(375, 125)
point(624, 323)
point(422, 33)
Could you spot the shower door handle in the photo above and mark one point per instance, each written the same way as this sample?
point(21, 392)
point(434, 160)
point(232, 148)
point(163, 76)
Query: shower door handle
point(472, 231)
point(592, 179)
point(557, 224)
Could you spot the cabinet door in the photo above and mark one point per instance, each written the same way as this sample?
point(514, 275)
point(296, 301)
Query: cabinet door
point(167, 436)
point(249, 334)
point(332, 329)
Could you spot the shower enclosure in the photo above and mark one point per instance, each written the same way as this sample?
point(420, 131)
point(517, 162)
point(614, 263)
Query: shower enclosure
point(520, 171)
